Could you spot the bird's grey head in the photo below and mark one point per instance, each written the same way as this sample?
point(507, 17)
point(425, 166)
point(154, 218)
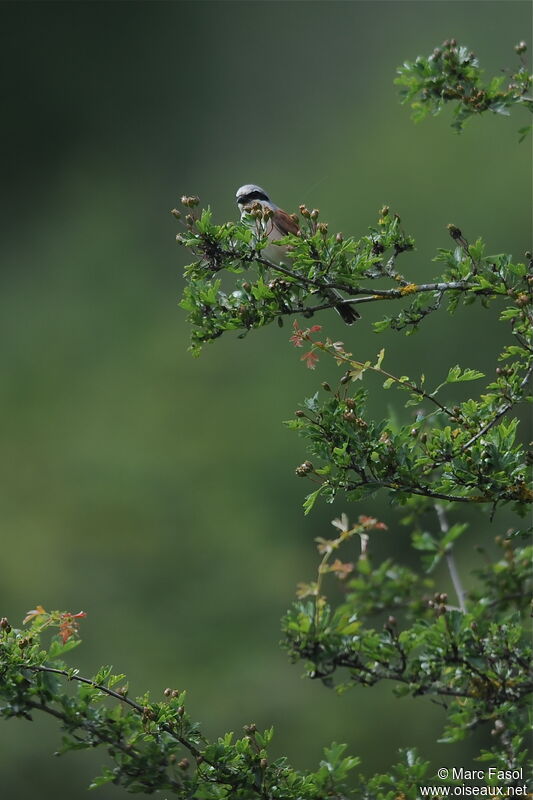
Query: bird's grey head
point(249, 194)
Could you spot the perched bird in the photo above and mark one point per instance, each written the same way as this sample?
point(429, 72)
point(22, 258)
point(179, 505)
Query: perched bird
point(281, 224)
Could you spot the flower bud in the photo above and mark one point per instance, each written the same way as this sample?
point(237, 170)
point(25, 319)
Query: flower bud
point(167, 692)
point(190, 200)
point(184, 763)
point(339, 238)
point(314, 213)
point(263, 763)
point(4, 625)
point(303, 470)
point(176, 213)
point(299, 413)
point(454, 231)
point(521, 47)
point(304, 211)
point(326, 386)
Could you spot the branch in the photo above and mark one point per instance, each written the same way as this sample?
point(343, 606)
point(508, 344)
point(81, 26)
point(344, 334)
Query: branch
point(499, 413)
point(450, 560)
point(121, 698)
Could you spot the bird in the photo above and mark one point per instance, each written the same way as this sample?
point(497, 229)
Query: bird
point(282, 224)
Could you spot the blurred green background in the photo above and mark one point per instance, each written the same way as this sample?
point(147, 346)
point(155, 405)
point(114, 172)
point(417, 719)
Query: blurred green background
point(154, 491)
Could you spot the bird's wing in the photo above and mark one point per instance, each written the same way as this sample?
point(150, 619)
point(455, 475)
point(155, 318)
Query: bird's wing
point(284, 223)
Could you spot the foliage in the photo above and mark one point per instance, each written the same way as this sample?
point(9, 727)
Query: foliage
point(392, 625)
point(470, 653)
point(155, 745)
point(452, 74)
point(269, 291)
point(463, 453)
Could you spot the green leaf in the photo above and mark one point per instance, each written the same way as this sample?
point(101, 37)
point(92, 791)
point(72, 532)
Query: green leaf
point(525, 131)
point(453, 533)
point(422, 540)
point(106, 777)
point(455, 375)
point(380, 358)
point(311, 499)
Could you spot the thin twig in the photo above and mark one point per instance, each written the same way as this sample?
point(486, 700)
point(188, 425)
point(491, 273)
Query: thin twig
point(121, 698)
point(450, 560)
point(92, 729)
point(499, 413)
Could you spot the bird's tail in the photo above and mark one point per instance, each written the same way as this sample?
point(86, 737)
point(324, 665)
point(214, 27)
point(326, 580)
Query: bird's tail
point(347, 312)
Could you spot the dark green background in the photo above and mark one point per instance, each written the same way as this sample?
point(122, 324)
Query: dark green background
point(154, 491)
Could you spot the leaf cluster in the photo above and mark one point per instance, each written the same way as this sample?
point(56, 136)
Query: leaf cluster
point(462, 452)
point(451, 74)
point(392, 625)
point(265, 291)
point(152, 745)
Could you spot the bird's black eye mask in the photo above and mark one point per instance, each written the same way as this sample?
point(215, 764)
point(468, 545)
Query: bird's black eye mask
point(249, 198)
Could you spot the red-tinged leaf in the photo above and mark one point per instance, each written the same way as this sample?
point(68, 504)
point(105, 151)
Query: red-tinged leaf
point(325, 545)
point(68, 625)
point(297, 337)
point(310, 358)
point(341, 569)
point(35, 612)
point(306, 590)
point(370, 523)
